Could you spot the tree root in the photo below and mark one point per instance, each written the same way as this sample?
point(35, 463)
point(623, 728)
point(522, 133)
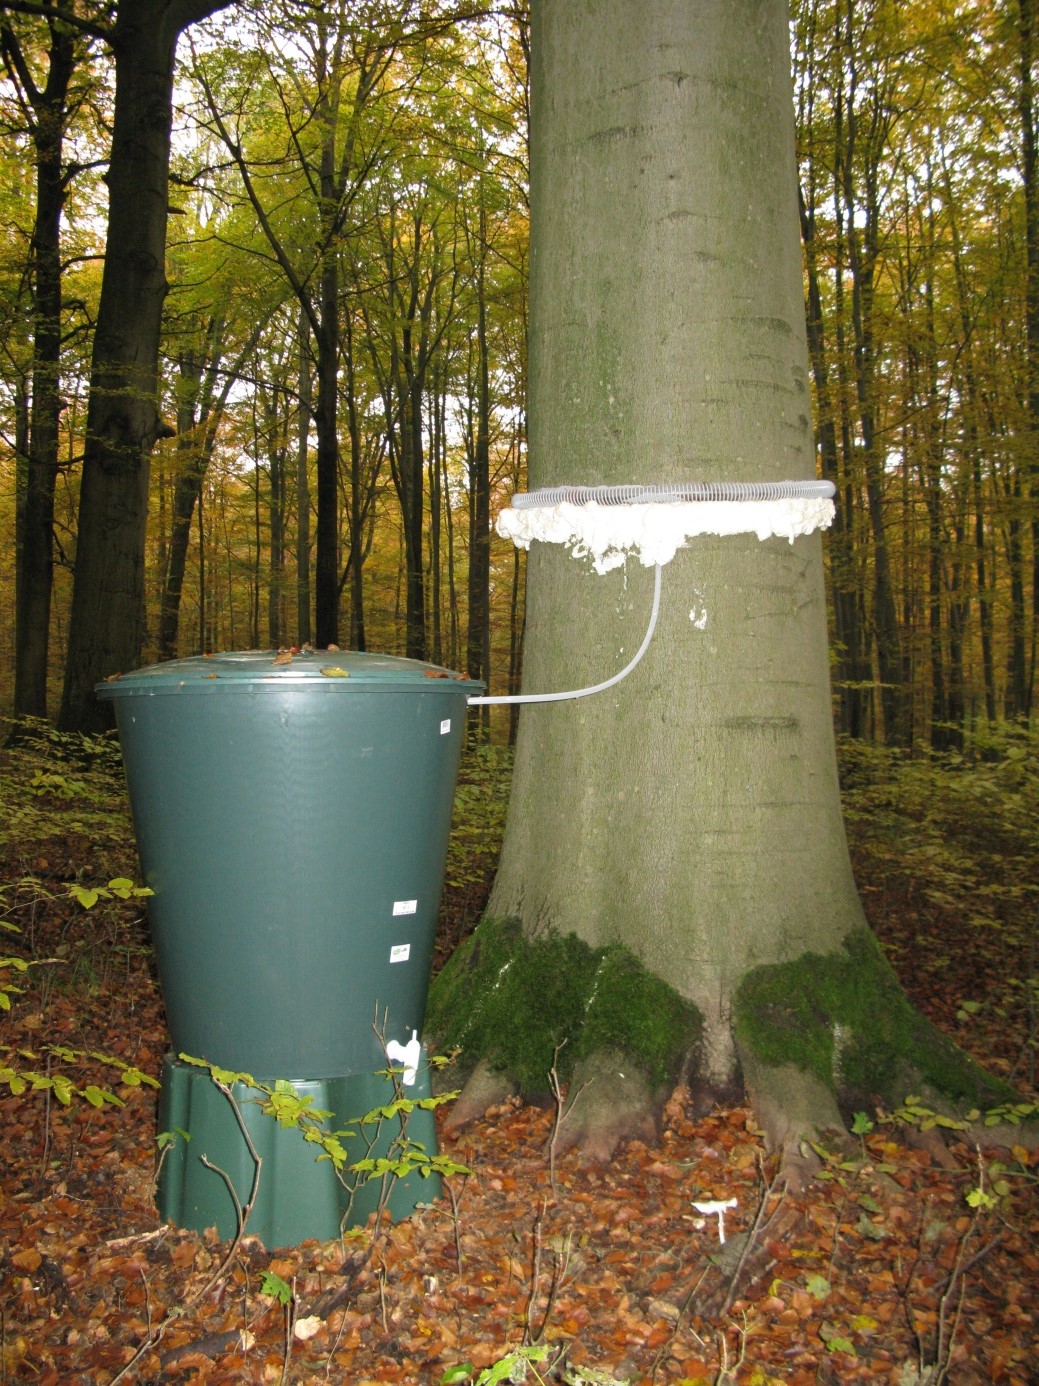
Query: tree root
point(610, 1102)
point(486, 1087)
point(789, 1104)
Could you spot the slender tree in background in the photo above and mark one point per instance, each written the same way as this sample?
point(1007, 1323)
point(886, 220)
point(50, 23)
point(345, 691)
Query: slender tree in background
point(1021, 683)
point(691, 814)
point(107, 619)
point(205, 380)
point(45, 102)
point(324, 79)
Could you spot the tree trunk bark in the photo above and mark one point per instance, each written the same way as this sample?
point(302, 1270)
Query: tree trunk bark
point(691, 813)
point(852, 660)
point(106, 628)
point(303, 626)
point(1024, 663)
point(326, 423)
point(698, 818)
point(478, 635)
point(35, 564)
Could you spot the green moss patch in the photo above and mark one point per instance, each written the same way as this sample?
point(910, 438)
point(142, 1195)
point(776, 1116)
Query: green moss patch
point(526, 1004)
point(844, 1018)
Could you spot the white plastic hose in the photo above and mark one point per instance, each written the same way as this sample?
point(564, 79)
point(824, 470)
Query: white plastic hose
point(595, 687)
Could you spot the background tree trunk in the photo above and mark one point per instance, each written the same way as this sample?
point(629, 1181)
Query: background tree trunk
point(107, 621)
point(35, 562)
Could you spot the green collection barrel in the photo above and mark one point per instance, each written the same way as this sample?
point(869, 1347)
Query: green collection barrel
point(292, 817)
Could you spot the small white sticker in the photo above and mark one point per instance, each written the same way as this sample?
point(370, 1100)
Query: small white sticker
point(405, 907)
point(445, 726)
point(400, 952)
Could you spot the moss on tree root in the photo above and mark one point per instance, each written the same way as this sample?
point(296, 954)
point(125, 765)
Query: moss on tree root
point(844, 1019)
point(528, 1005)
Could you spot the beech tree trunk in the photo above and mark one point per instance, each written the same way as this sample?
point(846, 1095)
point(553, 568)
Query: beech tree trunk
point(691, 813)
point(693, 810)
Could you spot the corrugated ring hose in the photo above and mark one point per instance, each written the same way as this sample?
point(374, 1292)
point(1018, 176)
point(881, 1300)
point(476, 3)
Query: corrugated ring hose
point(675, 491)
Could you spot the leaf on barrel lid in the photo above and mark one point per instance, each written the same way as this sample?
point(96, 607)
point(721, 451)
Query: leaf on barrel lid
point(283, 657)
point(436, 674)
point(332, 671)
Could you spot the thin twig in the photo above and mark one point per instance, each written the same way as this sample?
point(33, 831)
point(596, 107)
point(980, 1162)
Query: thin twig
point(756, 1226)
point(155, 1235)
point(449, 1186)
point(683, 1309)
point(290, 1327)
point(563, 1110)
point(561, 1261)
point(535, 1278)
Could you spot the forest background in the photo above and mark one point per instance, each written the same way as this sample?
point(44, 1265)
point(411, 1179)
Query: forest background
point(349, 204)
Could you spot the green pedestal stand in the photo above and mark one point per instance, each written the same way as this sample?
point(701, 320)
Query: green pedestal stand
point(297, 1195)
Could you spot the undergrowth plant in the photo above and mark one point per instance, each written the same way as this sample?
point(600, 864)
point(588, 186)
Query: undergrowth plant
point(45, 1068)
point(283, 1103)
point(56, 784)
point(60, 783)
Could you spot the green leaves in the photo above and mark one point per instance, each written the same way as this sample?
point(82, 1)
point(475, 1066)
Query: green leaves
point(834, 1341)
point(119, 888)
point(58, 1084)
point(291, 1108)
point(461, 1372)
point(512, 1367)
point(817, 1286)
point(278, 1289)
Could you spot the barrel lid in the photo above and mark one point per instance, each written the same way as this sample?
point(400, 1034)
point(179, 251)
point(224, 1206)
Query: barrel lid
point(249, 670)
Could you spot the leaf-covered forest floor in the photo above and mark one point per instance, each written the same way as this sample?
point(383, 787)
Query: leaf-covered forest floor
point(895, 1266)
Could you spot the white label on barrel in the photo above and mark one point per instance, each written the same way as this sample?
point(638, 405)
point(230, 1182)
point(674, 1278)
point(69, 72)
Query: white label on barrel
point(405, 907)
point(400, 952)
point(445, 726)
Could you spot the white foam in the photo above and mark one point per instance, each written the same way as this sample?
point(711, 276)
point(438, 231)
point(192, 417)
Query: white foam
point(653, 533)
